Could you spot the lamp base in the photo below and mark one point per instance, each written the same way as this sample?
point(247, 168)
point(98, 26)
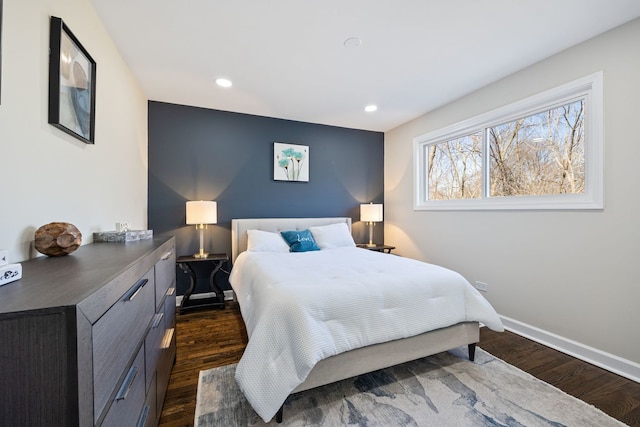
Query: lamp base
point(371, 244)
point(200, 255)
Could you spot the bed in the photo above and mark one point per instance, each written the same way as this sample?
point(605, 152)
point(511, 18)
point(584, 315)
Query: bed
point(301, 311)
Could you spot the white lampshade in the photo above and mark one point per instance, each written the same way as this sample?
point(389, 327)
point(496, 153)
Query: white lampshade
point(202, 212)
point(371, 212)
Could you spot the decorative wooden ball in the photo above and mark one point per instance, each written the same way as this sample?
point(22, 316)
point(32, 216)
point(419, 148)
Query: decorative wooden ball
point(57, 239)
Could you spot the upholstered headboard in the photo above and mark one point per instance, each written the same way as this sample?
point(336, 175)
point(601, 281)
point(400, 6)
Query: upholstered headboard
point(239, 228)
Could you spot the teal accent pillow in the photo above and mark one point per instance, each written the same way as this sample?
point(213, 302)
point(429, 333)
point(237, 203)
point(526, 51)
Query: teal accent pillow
point(300, 241)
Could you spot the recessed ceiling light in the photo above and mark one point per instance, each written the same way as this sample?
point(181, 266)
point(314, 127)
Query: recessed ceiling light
point(370, 108)
point(352, 42)
point(223, 82)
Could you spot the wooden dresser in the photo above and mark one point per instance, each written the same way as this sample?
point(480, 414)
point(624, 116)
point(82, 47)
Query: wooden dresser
point(88, 339)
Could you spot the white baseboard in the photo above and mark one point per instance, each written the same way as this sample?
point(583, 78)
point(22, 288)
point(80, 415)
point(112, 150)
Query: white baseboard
point(228, 296)
point(604, 360)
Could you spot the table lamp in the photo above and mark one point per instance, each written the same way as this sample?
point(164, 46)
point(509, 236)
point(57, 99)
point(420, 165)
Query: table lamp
point(202, 213)
point(371, 213)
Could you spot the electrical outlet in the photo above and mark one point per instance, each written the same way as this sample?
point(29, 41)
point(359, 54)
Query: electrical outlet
point(481, 286)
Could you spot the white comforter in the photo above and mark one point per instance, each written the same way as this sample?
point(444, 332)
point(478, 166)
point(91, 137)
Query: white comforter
point(300, 308)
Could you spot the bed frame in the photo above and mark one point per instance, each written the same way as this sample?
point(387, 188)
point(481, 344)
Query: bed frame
point(365, 359)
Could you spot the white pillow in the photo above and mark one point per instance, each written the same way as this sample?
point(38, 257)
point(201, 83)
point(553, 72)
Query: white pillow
point(264, 241)
point(332, 236)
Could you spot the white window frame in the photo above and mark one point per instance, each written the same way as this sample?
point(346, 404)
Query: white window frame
point(589, 88)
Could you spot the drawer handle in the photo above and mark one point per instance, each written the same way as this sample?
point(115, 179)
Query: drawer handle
point(156, 320)
point(167, 338)
point(128, 382)
point(136, 289)
point(143, 416)
point(167, 256)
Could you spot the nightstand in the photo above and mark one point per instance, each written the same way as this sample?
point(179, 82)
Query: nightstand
point(378, 248)
point(185, 263)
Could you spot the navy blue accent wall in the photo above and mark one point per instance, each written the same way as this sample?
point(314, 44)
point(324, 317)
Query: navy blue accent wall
point(202, 154)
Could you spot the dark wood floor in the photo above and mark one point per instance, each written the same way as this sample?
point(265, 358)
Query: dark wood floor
point(211, 338)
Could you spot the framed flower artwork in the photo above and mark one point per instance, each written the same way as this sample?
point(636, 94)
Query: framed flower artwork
point(290, 162)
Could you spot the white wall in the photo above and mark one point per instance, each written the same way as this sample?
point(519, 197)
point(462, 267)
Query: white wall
point(47, 175)
point(570, 273)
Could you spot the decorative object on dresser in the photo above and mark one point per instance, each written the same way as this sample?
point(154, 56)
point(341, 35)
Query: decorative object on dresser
point(371, 213)
point(290, 162)
point(91, 338)
point(9, 272)
point(124, 236)
point(200, 214)
point(216, 262)
point(122, 226)
point(72, 84)
point(57, 239)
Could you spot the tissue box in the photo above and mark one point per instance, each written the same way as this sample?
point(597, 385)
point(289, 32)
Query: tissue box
point(10, 273)
point(4, 257)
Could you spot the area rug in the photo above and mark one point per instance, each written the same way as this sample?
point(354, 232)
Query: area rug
point(445, 389)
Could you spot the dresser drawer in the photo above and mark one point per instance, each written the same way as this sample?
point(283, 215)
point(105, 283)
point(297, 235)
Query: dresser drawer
point(117, 335)
point(170, 307)
point(168, 355)
point(153, 345)
point(165, 274)
point(148, 416)
point(128, 404)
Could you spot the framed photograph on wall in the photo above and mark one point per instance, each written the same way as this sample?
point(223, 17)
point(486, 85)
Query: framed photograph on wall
point(72, 84)
point(290, 162)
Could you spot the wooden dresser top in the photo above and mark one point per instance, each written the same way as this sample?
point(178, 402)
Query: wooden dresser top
point(50, 282)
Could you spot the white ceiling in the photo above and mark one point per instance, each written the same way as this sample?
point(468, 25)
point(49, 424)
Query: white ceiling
point(287, 58)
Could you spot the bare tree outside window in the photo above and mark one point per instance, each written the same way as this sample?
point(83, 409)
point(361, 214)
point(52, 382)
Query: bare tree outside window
point(542, 154)
point(455, 168)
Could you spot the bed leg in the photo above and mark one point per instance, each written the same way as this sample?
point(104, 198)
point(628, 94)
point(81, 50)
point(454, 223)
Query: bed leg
point(279, 414)
point(472, 351)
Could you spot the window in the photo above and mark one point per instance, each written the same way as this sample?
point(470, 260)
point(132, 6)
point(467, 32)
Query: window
point(455, 168)
point(544, 152)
